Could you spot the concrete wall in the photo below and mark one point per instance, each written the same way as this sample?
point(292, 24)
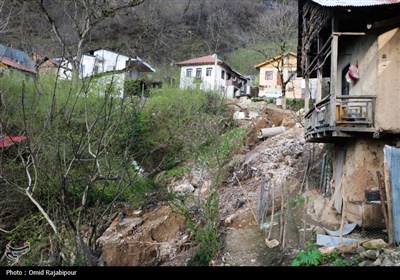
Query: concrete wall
point(388, 101)
point(208, 82)
point(362, 159)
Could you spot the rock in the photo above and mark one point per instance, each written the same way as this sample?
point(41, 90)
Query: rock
point(228, 221)
point(360, 249)
point(184, 189)
point(271, 243)
point(390, 252)
point(375, 244)
point(377, 262)
point(205, 187)
point(387, 262)
point(363, 263)
point(370, 254)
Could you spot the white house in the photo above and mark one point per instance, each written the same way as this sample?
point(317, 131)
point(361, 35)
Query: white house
point(211, 73)
point(117, 66)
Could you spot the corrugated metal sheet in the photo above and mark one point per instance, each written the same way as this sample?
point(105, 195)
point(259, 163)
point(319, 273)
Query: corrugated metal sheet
point(17, 55)
point(355, 3)
point(392, 159)
point(11, 63)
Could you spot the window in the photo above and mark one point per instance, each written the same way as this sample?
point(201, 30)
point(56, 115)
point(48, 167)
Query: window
point(110, 68)
point(223, 75)
point(189, 72)
point(269, 75)
point(208, 71)
point(198, 72)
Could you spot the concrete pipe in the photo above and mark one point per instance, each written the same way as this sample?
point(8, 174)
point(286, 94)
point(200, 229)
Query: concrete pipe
point(271, 131)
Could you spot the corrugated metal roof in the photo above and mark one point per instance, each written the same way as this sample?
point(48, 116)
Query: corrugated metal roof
point(354, 3)
point(17, 55)
point(11, 63)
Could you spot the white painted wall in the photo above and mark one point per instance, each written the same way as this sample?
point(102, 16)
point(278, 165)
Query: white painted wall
point(212, 82)
point(104, 61)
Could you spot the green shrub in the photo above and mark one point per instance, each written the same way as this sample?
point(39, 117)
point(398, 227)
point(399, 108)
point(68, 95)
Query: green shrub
point(174, 124)
point(294, 104)
point(310, 256)
point(208, 236)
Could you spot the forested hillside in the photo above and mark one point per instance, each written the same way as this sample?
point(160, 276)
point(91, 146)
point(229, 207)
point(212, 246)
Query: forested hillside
point(243, 32)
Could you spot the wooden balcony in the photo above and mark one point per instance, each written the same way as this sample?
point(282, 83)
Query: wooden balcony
point(353, 117)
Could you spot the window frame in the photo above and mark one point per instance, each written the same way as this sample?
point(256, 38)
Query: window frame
point(189, 72)
point(269, 75)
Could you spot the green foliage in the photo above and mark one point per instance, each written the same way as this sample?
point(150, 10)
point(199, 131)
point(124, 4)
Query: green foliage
point(132, 87)
point(310, 256)
point(79, 145)
point(260, 99)
point(177, 172)
point(137, 193)
point(218, 153)
point(30, 229)
point(244, 61)
point(175, 124)
point(341, 262)
point(296, 201)
point(208, 236)
point(294, 104)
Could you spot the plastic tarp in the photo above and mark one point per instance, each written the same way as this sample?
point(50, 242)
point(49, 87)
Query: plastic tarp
point(347, 228)
point(392, 159)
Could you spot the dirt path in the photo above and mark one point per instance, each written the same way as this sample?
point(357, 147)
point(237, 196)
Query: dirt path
point(246, 247)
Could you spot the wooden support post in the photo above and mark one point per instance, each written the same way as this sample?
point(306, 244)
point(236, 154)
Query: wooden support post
point(382, 193)
point(389, 202)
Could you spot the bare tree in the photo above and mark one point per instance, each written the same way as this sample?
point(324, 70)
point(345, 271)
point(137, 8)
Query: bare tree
point(4, 17)
point(274, 32)
point(72, 21)
point(217, 25)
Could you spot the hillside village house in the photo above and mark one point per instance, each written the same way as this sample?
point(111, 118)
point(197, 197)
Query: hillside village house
point(210, 73)
point(355, 44)
point(270, 84)
point(116, 67)
point(46, 65)
point(11, 58)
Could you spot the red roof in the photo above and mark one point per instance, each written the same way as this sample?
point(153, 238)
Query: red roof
point(209, 59)
point(16, 65)
point(8, 141)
